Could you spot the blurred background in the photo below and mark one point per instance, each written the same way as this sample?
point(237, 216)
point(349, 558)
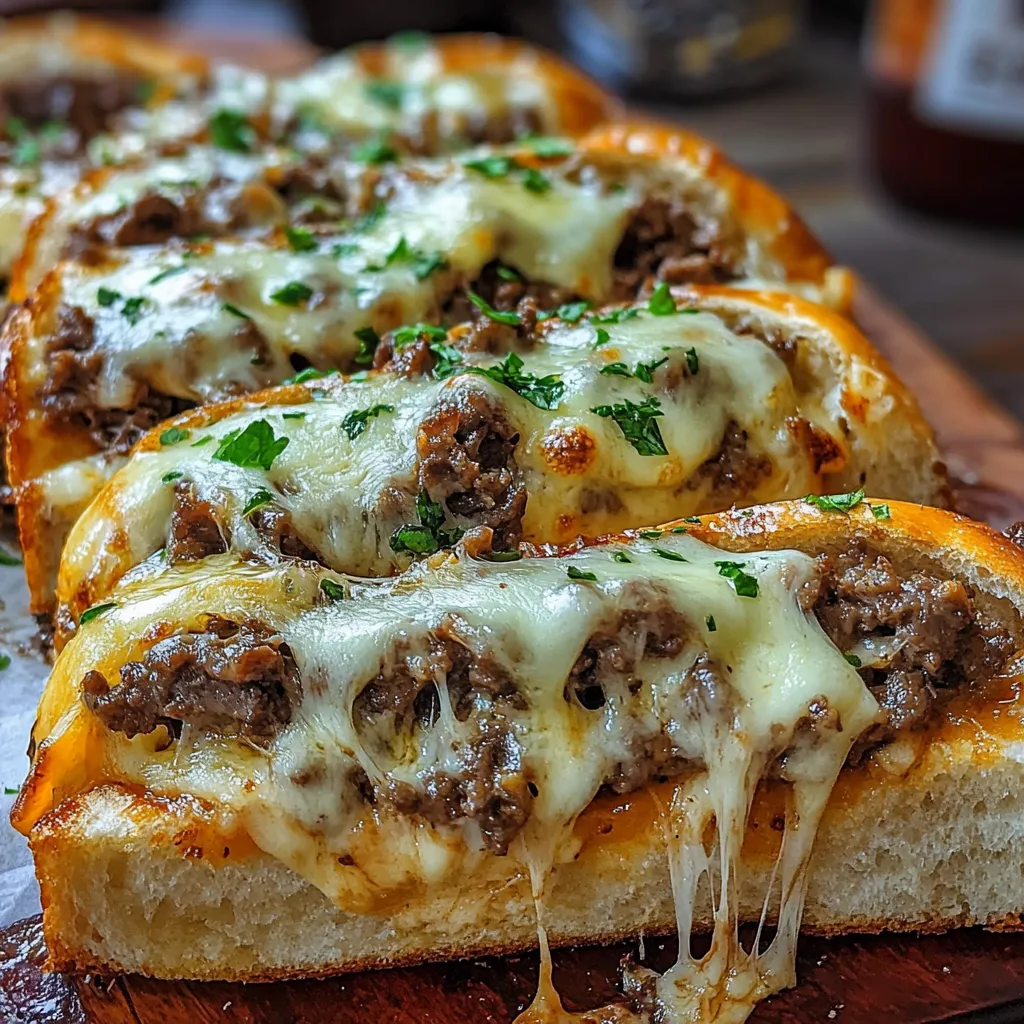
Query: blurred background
point(896, 127)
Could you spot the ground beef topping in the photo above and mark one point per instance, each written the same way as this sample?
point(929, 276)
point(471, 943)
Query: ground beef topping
point(232, 679)
point(926, 636)
point(734, 471)
point(467, 463)
point(199, 527)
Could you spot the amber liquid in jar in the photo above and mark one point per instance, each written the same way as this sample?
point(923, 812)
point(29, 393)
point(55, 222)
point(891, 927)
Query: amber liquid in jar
point(946, 106)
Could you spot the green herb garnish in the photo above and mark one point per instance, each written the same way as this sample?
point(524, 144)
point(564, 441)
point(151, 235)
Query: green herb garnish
point(427, 536)
point(510, 318)
point(95, 612)
point(252, 448)
point(356, 422)
point(661, 302)
point(638, 424)
point(835, 502)
point(230, 130)
point(375, 151)
point(334, 591)
point(173, 435)
point(169, 478)
point(853, 660)
point(692, 362)
point(169, 272)
point(309, 373)
point(709, 621)
point(880, 511)
point(547, 147)
point(671, 556)
point(300, 240)
point(621, 556)
point(543, 392)
point(743, 583)
point(423, 264)
point(294, 293)
point(235, 311)
point(508, 274)
point(386, 92)
point(578, 574)
point(616, 316)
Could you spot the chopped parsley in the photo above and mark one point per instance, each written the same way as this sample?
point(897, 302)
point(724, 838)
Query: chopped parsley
point(407, 335)
point(501, 165)
point(356, 422)
point(386, 92)
point(309, 373)
point(616, 316)
point(547, 147)
point(371, 218)
point(709, 621)
point(652, 534)
point(449, 359)
point(503, 556)
point(427, 536)
point(368, 340)
point(642, 371)
point(661, 302)
point(300, 240)
point(578, 574)
point(9, 790)
point(95, 612)
point(169, 478)
point(422, 264)
point(601, 337)
point(543, 392)
point(230, 130)
point(621, 556)
point(131, 309)
point(293, 415)
point(691, 519)
point(509, 318)
point(375, 151)
point(169, 272)
point(743, 583)
point(835, 502)
point(570, 312)
point(258, 500)
point(880, 511)
point(671, 556)
point(294, 293)
point(853, 660)
point(205, 439)
point(6, 558)
point(172, 435)
point(638, 423)
point(252, 448)
point(235, 311)
point(508, 274)
point(692, 362)
point(333, 591)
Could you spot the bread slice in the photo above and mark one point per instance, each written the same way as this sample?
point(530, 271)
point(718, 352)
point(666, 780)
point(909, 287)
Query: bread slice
point(925, 834)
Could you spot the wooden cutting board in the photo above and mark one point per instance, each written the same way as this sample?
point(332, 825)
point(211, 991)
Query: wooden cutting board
point(965, 977)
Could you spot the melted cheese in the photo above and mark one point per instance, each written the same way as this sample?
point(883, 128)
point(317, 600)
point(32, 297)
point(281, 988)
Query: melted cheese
point(346, 496)
point(340, 93)
point(298, 801)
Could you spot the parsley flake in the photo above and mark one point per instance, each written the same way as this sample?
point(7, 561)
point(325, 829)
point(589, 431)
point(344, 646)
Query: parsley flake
point(652, 534)
point(638, 424)
point(692, 362)
point(369, 340)
point(235, 311)
point(172, 435)
point(578, 574)
point(880, 511)
point(509, 318)
point(621, 556)
point(334, 591)
point(543, 392)
point(661, 302)
point(427, 536)
point(169, 478)
point(853, 660)
point(9, 790)
point(256, 447)
point(835, 502)
point(616, 316)
point(671, 556)
point(356, 422)
point(258, 500)
point(385, 92)
point(230, 130)
point(294, 293)
point(293, 416)
point(601, 337)
point(6, 558)
point(375, 151)
point(169, 272)
point(309, 373)
point(300, 240)
point(547, 147)
point(413, 332)
point(422, 264)
point(508, 273)
point(743, 583)
point(709, 621)
point(449, 359)
point(536, 182)
point(95, 612)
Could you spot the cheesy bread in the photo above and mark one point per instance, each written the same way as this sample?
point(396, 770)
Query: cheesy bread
point(297, 772)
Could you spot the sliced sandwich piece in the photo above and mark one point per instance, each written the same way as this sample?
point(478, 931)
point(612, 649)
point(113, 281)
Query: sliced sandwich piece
point(436, 94)
point(64, 82)
point(250, 771)
point(541, 433)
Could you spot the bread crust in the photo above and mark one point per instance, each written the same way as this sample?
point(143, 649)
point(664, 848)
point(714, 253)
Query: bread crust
point(925, 847)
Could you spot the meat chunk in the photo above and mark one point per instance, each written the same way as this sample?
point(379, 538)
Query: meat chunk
point(467, 463)
point(198, 527)
point(734, 471)
point(929, 635)
point(276, 529)
point(232, 679)
point(490, 786)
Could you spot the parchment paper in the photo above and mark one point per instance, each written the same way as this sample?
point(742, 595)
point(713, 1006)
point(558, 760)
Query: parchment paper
point(21, 683)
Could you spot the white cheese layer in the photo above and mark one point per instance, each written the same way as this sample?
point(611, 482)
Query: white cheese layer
point(347, 493)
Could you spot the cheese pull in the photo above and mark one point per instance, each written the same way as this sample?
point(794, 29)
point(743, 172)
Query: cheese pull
point(576, 427)
point(610, 733)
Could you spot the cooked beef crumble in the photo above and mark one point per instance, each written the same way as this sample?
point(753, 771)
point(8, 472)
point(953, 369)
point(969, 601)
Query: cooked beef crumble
point(933, 637)
point(198, 527)
point(490, 786)
point(467, 463)
point(230, 679)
